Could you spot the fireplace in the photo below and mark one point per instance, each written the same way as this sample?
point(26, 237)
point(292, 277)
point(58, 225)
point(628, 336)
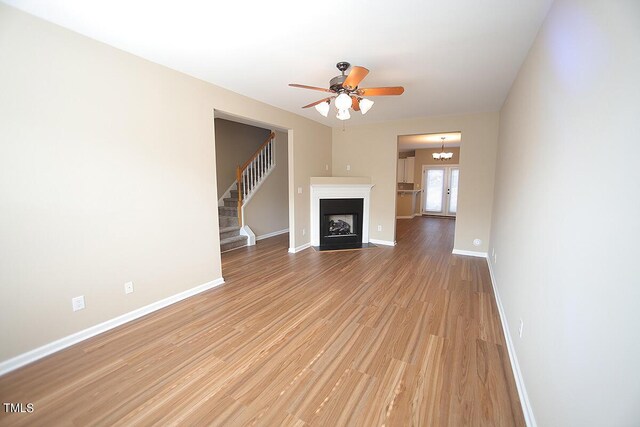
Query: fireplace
point(341, 223)
point(339, 212)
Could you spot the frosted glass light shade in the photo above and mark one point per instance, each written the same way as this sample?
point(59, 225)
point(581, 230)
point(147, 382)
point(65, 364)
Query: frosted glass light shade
point(323, 108)
point(343, 101)
point(343, 114)
point(365, 105)
point(442, 156)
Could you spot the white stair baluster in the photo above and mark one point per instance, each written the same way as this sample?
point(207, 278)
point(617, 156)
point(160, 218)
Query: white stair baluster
point(244, 184)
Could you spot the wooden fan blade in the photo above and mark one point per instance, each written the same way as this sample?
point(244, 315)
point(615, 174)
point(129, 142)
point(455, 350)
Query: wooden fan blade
point(355, 104)
point(355, 77)
point(318, 102)
point(381, 91)
point(311, 87)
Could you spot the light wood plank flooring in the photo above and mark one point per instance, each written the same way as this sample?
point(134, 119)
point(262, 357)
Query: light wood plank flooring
point(398, 336)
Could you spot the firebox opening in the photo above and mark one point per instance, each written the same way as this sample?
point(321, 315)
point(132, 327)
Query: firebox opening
point(340, 225)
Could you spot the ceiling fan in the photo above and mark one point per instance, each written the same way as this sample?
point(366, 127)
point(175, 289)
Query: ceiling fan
point(346, 92)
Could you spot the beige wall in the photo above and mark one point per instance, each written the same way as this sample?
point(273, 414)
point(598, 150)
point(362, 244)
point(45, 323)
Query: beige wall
point(566, 215)
point(235, 144)
point(267, 211)
point(107, 174)
point(372, 150)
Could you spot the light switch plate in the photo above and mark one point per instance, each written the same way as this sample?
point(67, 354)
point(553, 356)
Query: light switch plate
point(77, 303)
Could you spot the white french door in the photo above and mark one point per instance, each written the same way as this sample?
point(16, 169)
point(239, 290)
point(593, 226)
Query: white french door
point(440, 190)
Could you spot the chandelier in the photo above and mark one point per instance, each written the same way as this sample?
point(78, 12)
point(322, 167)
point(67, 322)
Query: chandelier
point(442, 155)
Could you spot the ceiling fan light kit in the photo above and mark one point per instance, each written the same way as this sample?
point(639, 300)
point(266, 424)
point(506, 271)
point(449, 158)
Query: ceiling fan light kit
point(323, 108)
point(343, 114)
point(347, 95)
point(365, 105)
point(343, 101)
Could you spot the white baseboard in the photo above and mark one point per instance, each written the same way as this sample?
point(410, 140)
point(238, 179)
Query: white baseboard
point(47, 349)
point(527, 410)
point(382, 242)
point(251, 237)
point(469, 253)
point(275, 233)
point(408, 216)
point(299, 248)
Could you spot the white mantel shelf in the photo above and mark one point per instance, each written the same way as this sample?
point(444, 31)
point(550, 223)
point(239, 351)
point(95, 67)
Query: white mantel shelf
point(339, 188)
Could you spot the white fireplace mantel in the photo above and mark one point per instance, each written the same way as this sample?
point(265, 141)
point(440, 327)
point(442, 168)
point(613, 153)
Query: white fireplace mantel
point(339, 188)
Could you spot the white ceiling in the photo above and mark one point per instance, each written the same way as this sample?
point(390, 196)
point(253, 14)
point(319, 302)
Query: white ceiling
point(453, 56)
point(431, 140)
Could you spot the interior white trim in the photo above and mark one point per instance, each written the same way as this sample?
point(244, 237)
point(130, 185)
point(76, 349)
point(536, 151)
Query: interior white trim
point(245, 230)
point(55, 346)
point(382, 242)
point(527, 410)
point(338, 191)
point(469, 253)
point(299, 248)
point(408, 216)
point(275, 233)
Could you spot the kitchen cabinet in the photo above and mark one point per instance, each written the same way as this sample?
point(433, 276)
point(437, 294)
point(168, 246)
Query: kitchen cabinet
point(406, 169)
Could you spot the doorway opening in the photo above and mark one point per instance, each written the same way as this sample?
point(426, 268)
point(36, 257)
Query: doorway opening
point(252, 175)
point(427, 180)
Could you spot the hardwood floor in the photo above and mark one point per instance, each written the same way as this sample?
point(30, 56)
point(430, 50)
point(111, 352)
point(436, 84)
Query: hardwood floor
point(398, 336)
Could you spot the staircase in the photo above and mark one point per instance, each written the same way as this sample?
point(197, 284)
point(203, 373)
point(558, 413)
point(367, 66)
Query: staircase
point(230, 237)
point(250, 175)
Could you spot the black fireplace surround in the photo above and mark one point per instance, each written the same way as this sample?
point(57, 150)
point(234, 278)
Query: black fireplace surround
point(341, 223)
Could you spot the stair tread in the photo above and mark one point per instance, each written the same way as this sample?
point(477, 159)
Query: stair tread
point(228, 229)
point(232, 239)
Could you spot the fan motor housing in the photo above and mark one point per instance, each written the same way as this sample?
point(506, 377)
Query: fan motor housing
point(335, 83)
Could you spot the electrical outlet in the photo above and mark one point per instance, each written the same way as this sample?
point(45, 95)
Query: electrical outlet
point(348, 167)
point(77, 303)
point(299, 190)
point(379, 228)
point(495, 257)
point(304, 231)
point(128, 287)
point(477, 242)
point(520, 328)
point(326, 167)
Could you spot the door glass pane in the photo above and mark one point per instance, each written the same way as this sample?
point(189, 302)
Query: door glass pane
point(435, 185)
point(453, 186)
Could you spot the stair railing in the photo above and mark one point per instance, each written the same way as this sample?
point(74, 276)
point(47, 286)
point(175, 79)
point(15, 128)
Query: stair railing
point(250, 174)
